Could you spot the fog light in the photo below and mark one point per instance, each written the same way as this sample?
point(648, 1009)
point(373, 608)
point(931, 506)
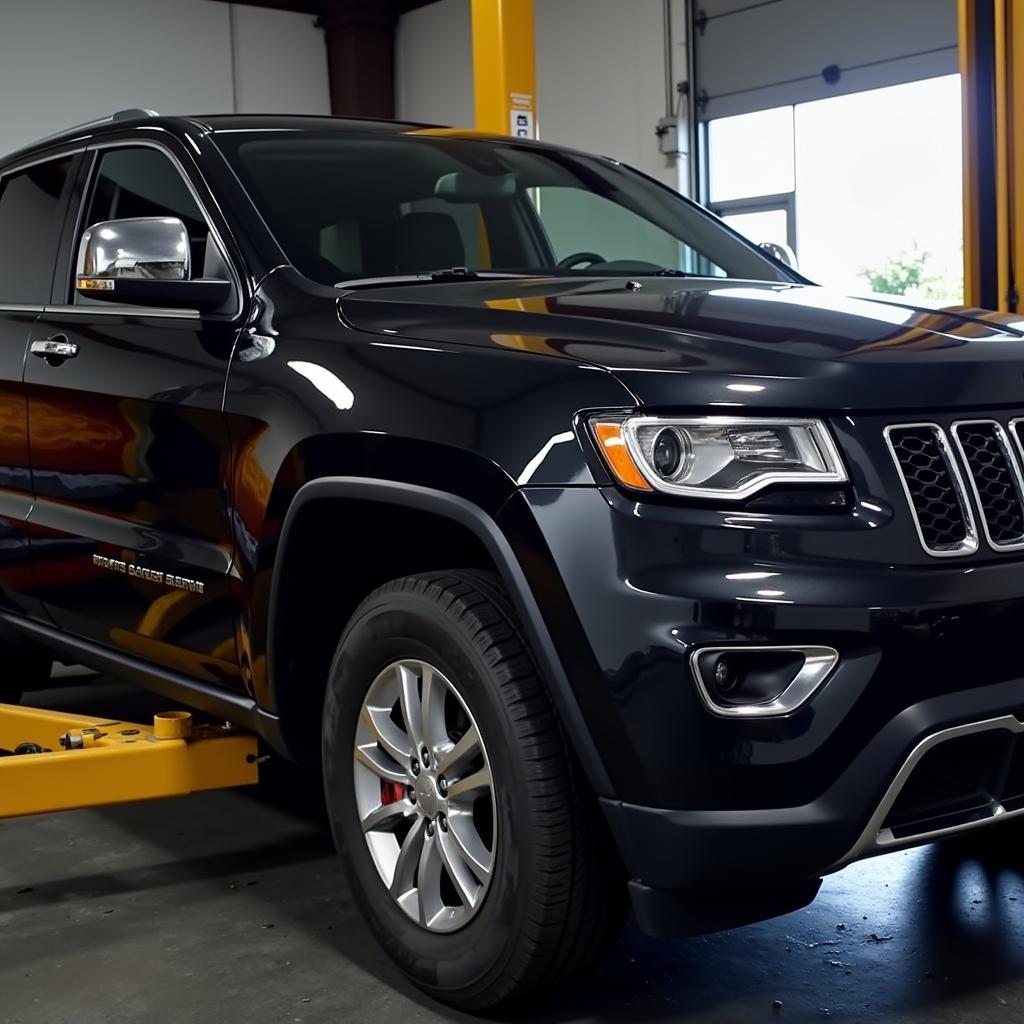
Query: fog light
point(724, 676)
point(759, 682)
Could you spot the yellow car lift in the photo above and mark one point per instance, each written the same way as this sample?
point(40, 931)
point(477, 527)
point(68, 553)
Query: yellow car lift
point(51, 761)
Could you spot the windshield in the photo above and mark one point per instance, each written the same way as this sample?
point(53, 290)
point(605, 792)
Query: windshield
point(345, 206)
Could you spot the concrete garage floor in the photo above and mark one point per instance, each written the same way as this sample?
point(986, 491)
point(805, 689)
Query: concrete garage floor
point(229, 907)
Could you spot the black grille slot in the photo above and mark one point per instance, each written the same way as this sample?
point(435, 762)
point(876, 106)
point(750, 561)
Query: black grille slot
point(933, 488)
point(994, 478)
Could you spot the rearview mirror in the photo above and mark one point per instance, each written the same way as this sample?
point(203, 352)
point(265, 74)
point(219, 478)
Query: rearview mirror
point(473, 187)
point(782, 252)
point(144, 261)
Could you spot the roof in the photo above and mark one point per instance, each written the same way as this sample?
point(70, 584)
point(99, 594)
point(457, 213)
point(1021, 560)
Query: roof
point(305, 122)
point(183, 124)
point(192, 124)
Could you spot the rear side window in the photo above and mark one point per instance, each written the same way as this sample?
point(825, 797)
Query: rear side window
point(30, 230)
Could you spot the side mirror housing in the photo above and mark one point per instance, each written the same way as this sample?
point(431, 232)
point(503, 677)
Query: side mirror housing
point(780, 251)
point(144, 261)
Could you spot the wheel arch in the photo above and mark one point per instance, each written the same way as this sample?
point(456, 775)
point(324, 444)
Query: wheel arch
point(474, 522)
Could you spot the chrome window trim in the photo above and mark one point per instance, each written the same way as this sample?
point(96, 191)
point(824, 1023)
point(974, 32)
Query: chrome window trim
point(124, 142)
point(1015, 473)
point(970, 542)
point(115, 309)
point(874, 839)
point(818, 429)
point(819, 661)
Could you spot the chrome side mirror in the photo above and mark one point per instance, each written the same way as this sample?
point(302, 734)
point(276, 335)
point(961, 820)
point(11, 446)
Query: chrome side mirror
point(143, 247)
point(780, 251)
point(145, 261)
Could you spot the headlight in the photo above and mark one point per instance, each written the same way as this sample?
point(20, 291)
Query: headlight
point(717, 456)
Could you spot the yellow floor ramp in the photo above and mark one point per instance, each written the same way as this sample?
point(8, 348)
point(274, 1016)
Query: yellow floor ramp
point(51, 761)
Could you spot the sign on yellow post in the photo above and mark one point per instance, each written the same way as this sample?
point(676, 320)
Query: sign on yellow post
point(504, 72)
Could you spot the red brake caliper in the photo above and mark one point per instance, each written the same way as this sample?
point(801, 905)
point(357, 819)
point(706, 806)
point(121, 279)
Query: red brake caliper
point(391, 792)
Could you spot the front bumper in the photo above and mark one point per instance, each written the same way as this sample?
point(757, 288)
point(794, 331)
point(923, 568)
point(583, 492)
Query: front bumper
point(685, 849)
point(704, 870)
point(700, 803)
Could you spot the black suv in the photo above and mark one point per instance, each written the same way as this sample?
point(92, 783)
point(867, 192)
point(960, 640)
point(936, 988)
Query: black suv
point(593, 550)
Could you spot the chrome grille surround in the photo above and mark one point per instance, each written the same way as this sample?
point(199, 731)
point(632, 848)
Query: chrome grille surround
point(1016, 428)
point(994, 475)
point(956, 498)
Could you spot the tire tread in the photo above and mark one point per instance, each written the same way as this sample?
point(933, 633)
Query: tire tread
point(577, 899)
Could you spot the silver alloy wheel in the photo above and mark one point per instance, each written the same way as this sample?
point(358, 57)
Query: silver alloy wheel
point(425, 795)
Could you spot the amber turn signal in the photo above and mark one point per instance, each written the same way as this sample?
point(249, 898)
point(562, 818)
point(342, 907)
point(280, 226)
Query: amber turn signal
point(616, 454)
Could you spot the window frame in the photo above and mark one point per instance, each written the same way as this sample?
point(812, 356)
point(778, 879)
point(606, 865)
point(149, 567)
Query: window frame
point(62, 296)
point(75, 154)
point(785, 201)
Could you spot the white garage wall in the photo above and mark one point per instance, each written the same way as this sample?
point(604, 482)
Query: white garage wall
point(280, 62)
point(601, 78)
point(63, 62)
point(600, 73)
point(434, 64)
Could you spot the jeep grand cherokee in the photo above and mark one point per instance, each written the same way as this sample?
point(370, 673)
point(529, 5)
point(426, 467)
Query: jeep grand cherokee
point(594, 552)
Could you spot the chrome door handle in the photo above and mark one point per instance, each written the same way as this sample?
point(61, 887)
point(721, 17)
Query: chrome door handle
point(54, 350)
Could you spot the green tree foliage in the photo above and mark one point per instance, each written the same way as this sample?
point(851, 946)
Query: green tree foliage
point(914, 273)
point(899, 275)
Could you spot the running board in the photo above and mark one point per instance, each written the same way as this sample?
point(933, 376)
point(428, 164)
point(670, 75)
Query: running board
point(174, 686)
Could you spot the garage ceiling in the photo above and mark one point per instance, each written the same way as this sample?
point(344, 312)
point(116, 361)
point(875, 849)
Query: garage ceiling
point(757, 54)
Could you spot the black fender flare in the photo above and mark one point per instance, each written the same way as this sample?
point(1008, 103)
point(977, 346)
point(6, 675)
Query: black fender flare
point(486, 530)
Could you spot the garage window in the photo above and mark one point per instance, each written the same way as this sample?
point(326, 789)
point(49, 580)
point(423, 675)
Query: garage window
point(865, 187)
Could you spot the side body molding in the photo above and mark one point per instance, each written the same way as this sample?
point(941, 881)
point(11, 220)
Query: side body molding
point(473, 518)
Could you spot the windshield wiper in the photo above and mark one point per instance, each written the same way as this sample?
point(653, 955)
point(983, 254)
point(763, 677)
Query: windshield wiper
point(447, 274)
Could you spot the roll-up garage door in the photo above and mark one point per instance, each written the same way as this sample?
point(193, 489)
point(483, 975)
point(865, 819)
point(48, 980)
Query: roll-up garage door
point(833, 127)
point(757, 54)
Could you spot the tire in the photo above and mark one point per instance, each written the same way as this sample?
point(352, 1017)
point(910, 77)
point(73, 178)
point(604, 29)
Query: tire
point(21, 672)
point(556, 892)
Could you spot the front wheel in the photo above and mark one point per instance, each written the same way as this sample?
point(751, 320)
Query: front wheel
point(474, 851)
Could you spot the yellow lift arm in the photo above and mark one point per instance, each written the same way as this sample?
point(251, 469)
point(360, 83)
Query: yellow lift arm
point(50, 761)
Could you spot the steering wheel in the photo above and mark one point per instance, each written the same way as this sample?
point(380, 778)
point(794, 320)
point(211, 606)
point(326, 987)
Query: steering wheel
point(579, 257)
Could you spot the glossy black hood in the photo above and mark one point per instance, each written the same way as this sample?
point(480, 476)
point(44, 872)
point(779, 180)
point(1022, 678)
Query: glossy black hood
point(712, 342)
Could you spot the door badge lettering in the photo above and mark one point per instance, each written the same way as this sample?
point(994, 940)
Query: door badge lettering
point(151, 575)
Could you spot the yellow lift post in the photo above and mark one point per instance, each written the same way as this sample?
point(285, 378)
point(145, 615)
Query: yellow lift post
point(992, 74)
point(504, 62)
point(51, 761)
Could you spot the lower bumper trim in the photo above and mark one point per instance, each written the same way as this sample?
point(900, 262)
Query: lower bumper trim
point(878, 838)
point(667, 914)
